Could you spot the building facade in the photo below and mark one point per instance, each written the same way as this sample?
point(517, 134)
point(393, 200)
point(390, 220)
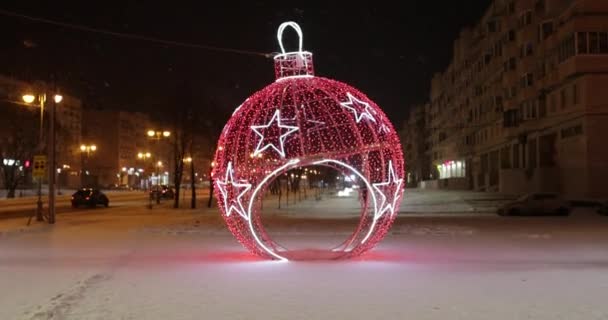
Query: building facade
point(69, 136)
point(119, 137)
point(522, 107)
point(415, 146)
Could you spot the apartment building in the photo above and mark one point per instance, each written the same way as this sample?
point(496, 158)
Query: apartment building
point(119, 137)
point(522, 106)
point(415, 147)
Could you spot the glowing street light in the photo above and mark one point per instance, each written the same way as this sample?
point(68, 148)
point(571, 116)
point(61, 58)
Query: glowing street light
point(158, 134)
point(88, 148)
point(28, 98)
point(144, 155)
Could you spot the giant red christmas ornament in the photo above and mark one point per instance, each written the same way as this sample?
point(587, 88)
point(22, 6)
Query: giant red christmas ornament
point(303, 120)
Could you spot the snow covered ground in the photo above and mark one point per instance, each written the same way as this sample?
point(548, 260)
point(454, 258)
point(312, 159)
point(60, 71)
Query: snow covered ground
point(128, 262)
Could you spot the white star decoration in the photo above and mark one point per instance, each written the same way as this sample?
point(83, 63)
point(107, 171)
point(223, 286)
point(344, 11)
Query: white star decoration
point(360, 108)
point(280, 148)
point(392, 182)
point(234, 203)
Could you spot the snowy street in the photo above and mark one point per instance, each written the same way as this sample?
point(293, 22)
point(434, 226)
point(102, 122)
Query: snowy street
point(448, 256)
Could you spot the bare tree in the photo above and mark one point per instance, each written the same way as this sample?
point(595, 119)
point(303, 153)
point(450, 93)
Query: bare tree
point(185, 115)
point(180, 143)
point(213, 119)
point(192, 180)
point(18, 142)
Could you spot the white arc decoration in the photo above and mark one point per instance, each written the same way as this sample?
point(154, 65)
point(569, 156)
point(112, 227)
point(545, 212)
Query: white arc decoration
point(355, 104)
point(393, 181)
point(297, 28)
point(257, 189)
point(280, 148)
point(301, 55)
point(235, 203)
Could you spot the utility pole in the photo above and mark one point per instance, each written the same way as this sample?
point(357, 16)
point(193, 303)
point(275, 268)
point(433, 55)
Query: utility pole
point(53, 159)
point(39, 217)
point(157, 136)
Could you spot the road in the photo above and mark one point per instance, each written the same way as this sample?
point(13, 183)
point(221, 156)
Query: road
point(26, 206)
point(129, 262)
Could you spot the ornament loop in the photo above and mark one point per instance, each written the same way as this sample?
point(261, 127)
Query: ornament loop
point(296, 27)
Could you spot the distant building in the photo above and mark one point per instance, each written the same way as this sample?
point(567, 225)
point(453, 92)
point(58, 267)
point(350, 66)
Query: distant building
point(415, 147)
point(69, 119)
point(523, 105)
point(119, 137)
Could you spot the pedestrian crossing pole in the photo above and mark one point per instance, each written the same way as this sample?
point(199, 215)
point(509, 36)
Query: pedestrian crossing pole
point(52, 165)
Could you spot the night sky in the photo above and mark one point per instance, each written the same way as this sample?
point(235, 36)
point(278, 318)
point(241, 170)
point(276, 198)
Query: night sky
point(385, 51)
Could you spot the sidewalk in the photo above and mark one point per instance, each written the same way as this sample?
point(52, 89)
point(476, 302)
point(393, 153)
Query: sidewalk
point(451, 201)
point(414, 201)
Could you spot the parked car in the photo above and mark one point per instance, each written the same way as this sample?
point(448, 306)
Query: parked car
point(536, 204)
point(603, 208)
point(165, 192)
point(89, 197)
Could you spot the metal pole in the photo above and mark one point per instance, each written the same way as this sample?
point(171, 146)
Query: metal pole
point(58, 183)
point(52, 174)
point(81, 169)
point(157, 168)
point(149, 185)
point(39, 217)
point(158, 185)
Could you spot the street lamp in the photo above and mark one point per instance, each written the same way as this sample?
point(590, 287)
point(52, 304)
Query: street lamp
point(29, 98)
point(144, 156)
point(85, 149)
point(157, 135)
point(88, 148)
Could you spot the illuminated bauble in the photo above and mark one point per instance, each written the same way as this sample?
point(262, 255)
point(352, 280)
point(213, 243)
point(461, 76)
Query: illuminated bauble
point(302, 120)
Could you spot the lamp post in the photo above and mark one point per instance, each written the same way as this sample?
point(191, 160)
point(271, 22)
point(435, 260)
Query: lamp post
point(30, 98)
point(59, 171)
point(144, 156)
point(157, 135)
point(85, 150)
point(159, 165)
point(188, 160)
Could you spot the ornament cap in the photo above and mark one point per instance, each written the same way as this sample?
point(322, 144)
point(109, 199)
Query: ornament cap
point(294, 64)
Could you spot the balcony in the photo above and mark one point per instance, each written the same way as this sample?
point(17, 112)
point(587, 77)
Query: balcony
point(586, 63)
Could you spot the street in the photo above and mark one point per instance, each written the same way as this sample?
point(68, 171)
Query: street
point(129, 262)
